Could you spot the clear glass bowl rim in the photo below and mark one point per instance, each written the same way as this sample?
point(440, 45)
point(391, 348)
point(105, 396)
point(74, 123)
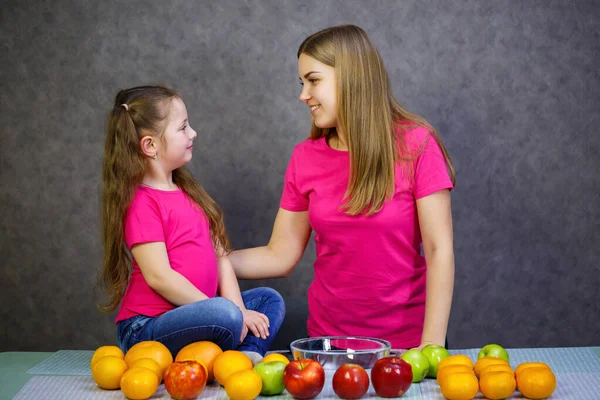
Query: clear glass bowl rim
point(388, 345)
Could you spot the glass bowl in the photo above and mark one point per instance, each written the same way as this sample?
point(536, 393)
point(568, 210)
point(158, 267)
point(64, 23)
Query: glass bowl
point(334, 351)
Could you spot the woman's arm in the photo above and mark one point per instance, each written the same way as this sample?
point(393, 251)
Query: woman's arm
point(277, 259)
point(154, 263)
point(435, 221)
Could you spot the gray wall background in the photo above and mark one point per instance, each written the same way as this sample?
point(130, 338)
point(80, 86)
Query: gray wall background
point(512, 87)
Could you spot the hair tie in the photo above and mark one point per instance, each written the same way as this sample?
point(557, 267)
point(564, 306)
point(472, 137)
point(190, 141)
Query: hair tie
point(126, 107)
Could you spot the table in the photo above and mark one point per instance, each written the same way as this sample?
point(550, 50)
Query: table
point(14, 367)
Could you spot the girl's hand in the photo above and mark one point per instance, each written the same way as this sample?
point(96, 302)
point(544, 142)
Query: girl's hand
point(257, 323)
point(244, 333)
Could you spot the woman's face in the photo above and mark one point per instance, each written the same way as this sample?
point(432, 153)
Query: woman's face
point(319, 90)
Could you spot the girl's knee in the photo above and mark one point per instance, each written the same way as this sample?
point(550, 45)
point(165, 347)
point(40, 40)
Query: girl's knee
point(275, 305)
point(227, 310)
point(276, 298)
point(272, 294)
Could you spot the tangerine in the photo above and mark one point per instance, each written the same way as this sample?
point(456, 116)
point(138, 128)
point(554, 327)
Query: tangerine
point(526, 365)
point(204, 351)
point(150, 364)
point(496, 368)
point(536, 382)
point(243, 385)
point(459, 386)
point(139, 383)
point(460, 359)
point(103, 351)
point(497, 385)
point(276, 357)
point(450, 369)
point(487, 361)
point(150, 349)
point(228, 363)
point(107, 372)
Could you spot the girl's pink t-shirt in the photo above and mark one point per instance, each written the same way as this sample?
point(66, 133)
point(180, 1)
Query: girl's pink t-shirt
point(170, 217)
point(369, 274)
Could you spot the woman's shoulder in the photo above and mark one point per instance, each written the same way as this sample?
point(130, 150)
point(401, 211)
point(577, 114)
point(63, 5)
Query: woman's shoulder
point(412, 133)
point(308, 147)
point(412, 137)
point(310, 144)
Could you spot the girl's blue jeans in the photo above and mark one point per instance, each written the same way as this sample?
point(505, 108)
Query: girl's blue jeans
point(216, 320)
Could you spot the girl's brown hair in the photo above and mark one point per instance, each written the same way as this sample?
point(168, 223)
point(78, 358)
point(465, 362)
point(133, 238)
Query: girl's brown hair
point(138, 112)
point(369, 116)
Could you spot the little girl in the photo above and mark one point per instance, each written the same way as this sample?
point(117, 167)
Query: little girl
point(165, 245)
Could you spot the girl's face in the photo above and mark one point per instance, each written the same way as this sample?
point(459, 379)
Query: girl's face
point(319, 90)
point(178, 137)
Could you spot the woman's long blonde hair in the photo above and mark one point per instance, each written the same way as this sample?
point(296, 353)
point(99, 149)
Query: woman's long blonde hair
point(138, 112)
point(368, 115)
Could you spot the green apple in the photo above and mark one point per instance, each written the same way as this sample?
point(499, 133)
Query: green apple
point(271, 374)
point(493, 350)
point(418, 362)
point(434, 355)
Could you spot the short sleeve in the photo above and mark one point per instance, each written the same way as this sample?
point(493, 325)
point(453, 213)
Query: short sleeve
point(431, 172)
point(292, 198)
point(143, 222)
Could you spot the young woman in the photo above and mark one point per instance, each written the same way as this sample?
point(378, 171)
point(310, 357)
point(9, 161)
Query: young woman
point(373, 182)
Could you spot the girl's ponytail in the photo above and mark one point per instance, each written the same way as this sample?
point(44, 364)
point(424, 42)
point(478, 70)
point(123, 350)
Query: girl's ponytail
point(122, 171)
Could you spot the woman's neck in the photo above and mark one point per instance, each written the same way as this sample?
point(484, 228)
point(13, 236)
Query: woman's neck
point(338, 142)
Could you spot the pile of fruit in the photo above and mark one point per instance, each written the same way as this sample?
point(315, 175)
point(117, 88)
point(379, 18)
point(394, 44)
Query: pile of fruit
point(491, 374)
point(139, 373)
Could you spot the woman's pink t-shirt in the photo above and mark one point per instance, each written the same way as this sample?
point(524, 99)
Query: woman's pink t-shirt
point(369, 274)
point(169, 217)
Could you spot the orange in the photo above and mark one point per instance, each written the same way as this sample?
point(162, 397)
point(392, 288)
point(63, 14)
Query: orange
point(496, 385)
point(139, 383)
point(229, 362)
point(297, 355)
point(150, 364)
point(526, 365)
point(106, 351)
point(450, 369)
point(460, 359)
point(459, 386)
point(243, 385)
point(205, 351)
point(276, 357)
point(487, 361)
point(496, 368)
point(150, 349)
point(107, 372)
point(536, 382)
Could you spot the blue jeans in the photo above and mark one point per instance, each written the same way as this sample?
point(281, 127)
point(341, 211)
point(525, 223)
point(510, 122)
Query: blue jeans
point(217, 320)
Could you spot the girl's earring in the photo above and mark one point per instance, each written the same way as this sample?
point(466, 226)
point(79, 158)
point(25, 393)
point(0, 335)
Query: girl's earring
point(154, 157)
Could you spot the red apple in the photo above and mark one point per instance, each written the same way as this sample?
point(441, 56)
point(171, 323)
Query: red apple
point(185, 380)
point(391, 376)
point(350, 381)
point(304, 378)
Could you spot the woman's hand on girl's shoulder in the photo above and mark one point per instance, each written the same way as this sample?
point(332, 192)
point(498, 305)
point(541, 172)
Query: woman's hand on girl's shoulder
point(220, 252)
